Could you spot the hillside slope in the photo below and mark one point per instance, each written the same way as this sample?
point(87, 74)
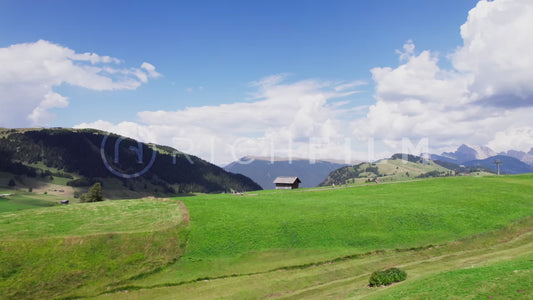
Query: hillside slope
point(83, 156)
point(69, 250)
point(395, 168)
point(326, 242)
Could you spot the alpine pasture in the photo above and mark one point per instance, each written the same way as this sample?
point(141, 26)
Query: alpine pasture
point(463, 236)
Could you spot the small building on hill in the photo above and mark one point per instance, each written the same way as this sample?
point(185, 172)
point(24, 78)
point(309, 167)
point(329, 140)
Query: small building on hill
point(287, 183)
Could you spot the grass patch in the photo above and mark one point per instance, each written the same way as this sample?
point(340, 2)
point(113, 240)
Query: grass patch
point(83, 249)
point(20, 200)
point(246, 234)
point(290, 244)
point(348, 278)
point(85, 219)
point(508, 279)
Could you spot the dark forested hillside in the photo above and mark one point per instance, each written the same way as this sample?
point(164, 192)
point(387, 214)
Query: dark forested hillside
point(81, 151)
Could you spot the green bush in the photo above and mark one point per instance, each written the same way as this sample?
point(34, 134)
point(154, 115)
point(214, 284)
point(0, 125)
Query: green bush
point(387, 277)
point(94, 194)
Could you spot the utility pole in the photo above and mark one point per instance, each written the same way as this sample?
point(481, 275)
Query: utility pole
point(497, 163)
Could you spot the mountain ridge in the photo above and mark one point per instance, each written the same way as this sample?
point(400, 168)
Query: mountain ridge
point(86, 155)
point(465, 153)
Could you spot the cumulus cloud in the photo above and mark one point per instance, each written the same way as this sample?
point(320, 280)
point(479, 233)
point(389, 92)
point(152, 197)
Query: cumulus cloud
point(484, 98)
point(283, 119)
point(486, 91)
point(30, 72)
point(513, 138)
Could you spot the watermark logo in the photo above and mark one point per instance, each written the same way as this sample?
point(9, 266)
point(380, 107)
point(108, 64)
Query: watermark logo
point(127, 158)
point(138, 150)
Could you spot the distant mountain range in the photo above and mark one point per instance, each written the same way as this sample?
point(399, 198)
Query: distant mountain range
point(263, 171)
point(512, 161)
point(466, 160)
point(77, 158)
point(326, 172)
point(520, 155)
point(398, 167)
point(508, 165)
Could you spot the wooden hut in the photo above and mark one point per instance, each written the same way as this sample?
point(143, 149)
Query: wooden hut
point(287, 183)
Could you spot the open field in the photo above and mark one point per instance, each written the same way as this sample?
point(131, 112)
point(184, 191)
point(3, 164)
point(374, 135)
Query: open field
point(472, 236)
point(484, 265)
point(19, 200)
point(238, 235)
point(81, 249)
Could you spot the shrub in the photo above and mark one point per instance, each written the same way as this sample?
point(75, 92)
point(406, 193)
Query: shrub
point(11, 183)
point(387, 277)
point(94, 194)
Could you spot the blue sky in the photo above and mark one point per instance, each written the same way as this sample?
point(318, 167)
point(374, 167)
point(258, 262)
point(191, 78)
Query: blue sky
point(210, 53)
point(223, 45)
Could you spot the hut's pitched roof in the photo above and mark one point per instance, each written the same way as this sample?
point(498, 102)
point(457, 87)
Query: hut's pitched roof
point(287, 180)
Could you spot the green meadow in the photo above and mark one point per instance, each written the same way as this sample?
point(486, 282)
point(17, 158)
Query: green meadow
point(466, 237)
point(73, 250)
point(19, 200)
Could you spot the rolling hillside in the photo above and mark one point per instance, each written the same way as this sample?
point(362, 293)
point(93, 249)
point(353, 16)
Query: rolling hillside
point(69, 250)
point(450, 232)
point(71, 159)
point(393, 169)
point(325, 243)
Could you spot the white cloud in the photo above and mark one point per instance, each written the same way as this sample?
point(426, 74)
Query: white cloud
point(487, 90)
point(30, 72)
point(408, 51)
point(41, 115)
point(513, 138)
point(497, 49)
point(281, 120)
point(484, 98)
point(150, 69)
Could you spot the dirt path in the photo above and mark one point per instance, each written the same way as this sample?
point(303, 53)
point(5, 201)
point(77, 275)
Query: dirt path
point(185, 214)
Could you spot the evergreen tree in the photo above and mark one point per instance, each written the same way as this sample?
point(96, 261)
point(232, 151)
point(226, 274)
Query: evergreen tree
point(94, 194)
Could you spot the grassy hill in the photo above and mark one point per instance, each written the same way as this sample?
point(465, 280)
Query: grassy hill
point(282, 243)
point(18, 200)
point(397, 168)
point(71, 250)
point(450, 232)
